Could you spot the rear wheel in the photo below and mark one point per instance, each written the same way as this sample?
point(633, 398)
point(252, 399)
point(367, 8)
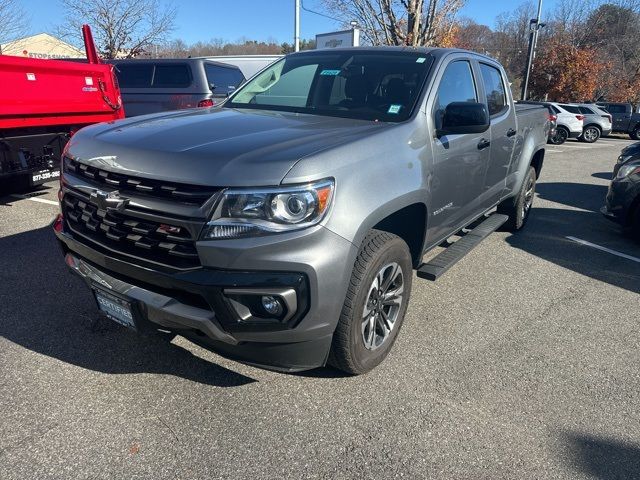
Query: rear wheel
point(561, 136)
point(519, 207)
point(635, 134)
point(375, 304)
point(590, 134)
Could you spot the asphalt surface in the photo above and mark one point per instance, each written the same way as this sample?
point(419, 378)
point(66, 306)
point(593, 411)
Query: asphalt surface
point(523, 361)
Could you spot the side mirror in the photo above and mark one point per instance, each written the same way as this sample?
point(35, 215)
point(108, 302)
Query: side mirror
point(464, 117)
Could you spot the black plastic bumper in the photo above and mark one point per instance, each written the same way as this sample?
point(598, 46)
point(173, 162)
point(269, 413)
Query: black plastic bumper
point(202, 291)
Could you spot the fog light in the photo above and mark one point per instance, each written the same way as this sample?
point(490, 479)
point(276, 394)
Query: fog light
point(272, 305)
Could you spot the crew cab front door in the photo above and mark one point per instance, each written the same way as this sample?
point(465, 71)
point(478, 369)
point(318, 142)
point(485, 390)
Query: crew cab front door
point(456, 179)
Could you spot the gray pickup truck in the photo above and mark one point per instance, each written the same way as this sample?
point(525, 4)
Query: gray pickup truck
point(282, 228)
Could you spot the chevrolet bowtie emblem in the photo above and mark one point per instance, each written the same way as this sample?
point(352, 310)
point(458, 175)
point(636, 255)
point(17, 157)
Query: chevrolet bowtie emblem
point(108, 200)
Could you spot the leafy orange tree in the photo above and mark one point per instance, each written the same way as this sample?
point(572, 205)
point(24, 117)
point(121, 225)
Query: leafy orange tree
point(565, 73)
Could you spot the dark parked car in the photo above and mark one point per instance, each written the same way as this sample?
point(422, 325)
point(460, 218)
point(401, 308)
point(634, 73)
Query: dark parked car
point(623, 197)
point(625, 120)
point(160, 85)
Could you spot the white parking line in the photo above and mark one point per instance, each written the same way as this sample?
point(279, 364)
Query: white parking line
point(35, 199)
point(554, 151)
point(589, 146)
point(604, 249)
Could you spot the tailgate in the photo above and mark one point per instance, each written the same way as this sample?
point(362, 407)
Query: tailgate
point(53, 92)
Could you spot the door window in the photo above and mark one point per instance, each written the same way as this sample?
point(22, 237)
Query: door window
point(616, 109)
point(172, 76)
point(456, 85)
point(494, 88)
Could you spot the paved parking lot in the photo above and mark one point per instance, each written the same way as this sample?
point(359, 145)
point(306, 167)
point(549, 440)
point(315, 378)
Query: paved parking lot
point(523, 361)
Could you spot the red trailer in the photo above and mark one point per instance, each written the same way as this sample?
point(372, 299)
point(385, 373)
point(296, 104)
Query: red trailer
point(43, 102)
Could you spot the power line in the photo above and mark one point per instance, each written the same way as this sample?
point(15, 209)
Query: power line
point(318, 13)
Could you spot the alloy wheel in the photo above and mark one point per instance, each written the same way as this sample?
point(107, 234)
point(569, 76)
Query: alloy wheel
point(382, 305)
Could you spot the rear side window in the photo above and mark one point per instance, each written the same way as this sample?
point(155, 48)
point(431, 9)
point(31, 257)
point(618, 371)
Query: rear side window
point(172, 76)
point(587, 111)
point(554, 109)
point(456, 85)
point(223, 80)
point(134, 76)
point(494, 88)
point(572, 109)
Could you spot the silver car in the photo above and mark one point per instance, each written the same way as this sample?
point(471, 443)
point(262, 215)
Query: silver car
point(597, 122)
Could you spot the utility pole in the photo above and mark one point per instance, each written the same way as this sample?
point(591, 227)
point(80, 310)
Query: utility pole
point(535, 27)
point(296, 27)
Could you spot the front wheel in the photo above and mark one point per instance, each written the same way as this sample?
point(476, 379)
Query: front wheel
point(375, 304)
point(519, 207)
point(635, 134)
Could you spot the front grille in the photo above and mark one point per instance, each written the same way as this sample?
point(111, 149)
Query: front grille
point(189, 194)
point(162, 243)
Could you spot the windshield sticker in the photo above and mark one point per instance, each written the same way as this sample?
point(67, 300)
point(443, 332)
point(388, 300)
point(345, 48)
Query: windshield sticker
point(421, 60)
point(332, 73)
point(395, 109)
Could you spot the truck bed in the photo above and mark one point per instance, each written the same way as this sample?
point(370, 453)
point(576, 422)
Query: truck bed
point(40, 93)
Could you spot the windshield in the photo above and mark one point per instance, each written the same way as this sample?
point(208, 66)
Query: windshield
point(365, 85)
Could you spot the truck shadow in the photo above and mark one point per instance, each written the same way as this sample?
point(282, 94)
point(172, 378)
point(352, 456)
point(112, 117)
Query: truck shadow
point(579, 195)
point(603, 458)
point(545, 236)
point(44, 308)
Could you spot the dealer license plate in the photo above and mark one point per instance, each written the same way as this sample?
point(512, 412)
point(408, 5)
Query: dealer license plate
point(116, 308)
point(44, 176)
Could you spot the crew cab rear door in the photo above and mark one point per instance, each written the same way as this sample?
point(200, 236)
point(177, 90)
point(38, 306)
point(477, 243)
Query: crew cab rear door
point(503, 130)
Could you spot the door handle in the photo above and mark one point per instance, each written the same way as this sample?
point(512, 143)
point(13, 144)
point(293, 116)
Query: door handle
point(484, 143)
point(511, 132)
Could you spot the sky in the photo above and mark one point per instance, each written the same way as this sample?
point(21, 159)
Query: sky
point(254, 19)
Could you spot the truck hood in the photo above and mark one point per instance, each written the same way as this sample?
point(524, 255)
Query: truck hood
point(219, 147)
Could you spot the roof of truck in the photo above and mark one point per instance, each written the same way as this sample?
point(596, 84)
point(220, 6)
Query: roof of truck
point(436, 52)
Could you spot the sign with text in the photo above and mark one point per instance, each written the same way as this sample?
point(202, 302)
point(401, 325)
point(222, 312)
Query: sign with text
point(344, 38)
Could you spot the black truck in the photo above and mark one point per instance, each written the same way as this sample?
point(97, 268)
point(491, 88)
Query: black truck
point(624, 119)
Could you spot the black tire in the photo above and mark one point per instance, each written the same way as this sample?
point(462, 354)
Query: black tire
point(561, 136)
point(349, 351)
point(518, 208)
point(635, 134)
point(590, 134)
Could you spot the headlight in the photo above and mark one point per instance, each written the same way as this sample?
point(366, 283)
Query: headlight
point(623, 158)
point(251, 212)
point(628, 170)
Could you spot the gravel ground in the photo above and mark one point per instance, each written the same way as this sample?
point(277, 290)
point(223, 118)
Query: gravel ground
point(521, 362)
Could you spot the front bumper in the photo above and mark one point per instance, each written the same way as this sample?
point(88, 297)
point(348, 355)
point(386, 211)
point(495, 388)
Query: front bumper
point(194, 303)
point(620, 198)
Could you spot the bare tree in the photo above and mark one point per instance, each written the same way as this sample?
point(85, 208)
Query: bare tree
point(399, 22)
point(121, 28)
point(14, 21)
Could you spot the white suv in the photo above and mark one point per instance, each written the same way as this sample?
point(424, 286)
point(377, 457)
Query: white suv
point(569, 124)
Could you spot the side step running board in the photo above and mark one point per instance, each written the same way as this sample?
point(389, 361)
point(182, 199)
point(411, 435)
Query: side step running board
point(437, 266)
